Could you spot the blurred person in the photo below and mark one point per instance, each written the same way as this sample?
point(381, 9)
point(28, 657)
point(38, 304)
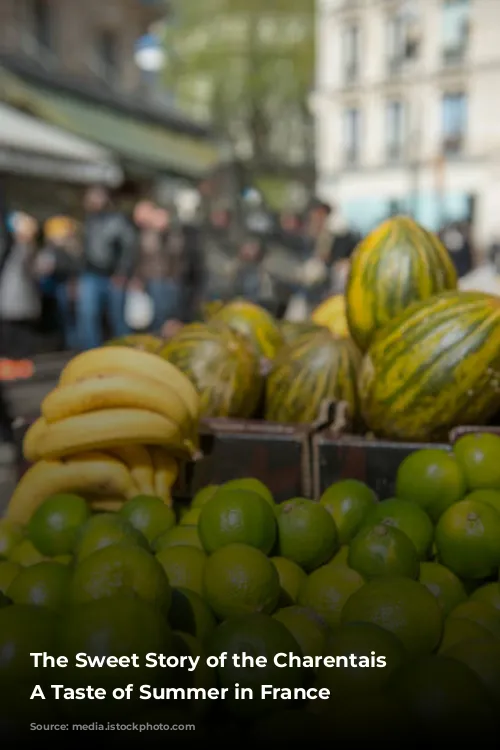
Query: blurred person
point(194, 278)
point(6, 242)
point(20, 295)
point(159, 270)
point(108, 262)
point(251, 279)
point(61, 262)
point(455, 236)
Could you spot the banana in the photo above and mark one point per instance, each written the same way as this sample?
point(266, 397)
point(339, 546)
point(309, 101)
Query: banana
point(140, 466)
point(110, 428)
point(93, 473)
point(117, 391)
point(32, 438)
point(106, 504)
point(166, 471)
point(134, 362)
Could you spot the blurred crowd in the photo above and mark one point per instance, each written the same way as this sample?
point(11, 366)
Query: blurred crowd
point(111, 274)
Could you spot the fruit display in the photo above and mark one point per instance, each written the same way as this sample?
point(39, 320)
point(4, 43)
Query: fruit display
point(434, 367)
point(395, 265)
point(292, 330)
point(318, 590)
point(254, 323)
point(332, 314)
point(221, 365)
point(312, 371)
point(145, 341)
point(116, 426)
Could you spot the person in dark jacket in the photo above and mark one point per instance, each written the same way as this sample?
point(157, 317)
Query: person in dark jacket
point(108, 261)
point(6, 428)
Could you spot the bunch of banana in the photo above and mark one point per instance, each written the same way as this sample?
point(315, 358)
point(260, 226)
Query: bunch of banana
point(117, 425)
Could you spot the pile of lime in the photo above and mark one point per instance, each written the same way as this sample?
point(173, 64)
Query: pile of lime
point(341, 584)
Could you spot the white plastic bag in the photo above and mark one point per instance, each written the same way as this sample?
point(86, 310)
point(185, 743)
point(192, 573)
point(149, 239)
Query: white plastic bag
point(139, 310)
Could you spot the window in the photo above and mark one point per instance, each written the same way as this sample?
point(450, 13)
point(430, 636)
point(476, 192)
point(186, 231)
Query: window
point(394, 130)
point(107, 55)
point(43, 23)
point(454, 122)
point(403, 38)
point(352, 120)
point(456, 17)
point(351, 53)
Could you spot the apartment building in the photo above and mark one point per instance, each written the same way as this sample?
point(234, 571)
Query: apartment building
point(408, 113)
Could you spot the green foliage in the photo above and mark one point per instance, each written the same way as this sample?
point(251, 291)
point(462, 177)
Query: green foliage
point(248, 65)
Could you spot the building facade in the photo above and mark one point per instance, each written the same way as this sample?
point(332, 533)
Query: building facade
point(407, 111)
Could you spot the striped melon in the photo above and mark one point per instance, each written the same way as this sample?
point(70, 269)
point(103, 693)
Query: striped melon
point(253, 322)
point(397, 264)
point(145, 341)
point(306, 374)
point(222, 367)
point(294, 329)
point(433, 368)
point(332, 314)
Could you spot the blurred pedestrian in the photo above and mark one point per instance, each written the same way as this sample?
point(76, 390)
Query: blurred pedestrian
point(20, 296)
point(160, 263)
point(108, 261)
point(251, 279)
point(6, 422)
point(61, 262)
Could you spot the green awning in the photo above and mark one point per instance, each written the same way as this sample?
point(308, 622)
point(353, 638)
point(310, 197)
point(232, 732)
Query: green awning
point(130, 139)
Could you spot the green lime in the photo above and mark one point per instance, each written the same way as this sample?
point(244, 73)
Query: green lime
point(468, 539)
point(437, 691)
point(483, 657)
point(259, 636)
point(407, 517)
point(237, 517)
point(26, 554)
point(203, 495)
point(43, 585)
point(191, 517)
point(11, 534)
point(401, 606)
point(432, 478)
point(348, 502)
point(308, 629)
point(149, 515)
point(306, 533)
point(115, 626)
point(477, 454)
point(55, 524)
point(489, 594)
point(239, 580)
point(483, 614)
point(203, 676)
point(490, 497)
point(190, 614)
point(443, 584)
point(24, 630)
point(251, 484)
point(8, 571)
point(184, 567)
point(356, 722)
point(104, 530)
point(341, 558)
point(179, 535)
point(121, 569)
point(369, 644)
point(459, 631)
point(291, 579)
point(383, 551)
point(327, 590)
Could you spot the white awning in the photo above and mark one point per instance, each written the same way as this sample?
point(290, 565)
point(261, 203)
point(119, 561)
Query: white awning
point(30, 146)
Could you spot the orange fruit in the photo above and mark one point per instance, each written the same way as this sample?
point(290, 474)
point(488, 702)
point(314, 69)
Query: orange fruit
point(432, 478)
